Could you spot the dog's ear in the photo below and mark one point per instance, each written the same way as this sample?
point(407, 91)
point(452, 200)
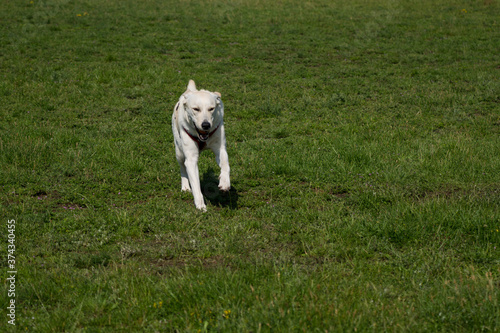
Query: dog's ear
point(183, 100)
point(218, 96)
point(191, 86)
point(184, 96)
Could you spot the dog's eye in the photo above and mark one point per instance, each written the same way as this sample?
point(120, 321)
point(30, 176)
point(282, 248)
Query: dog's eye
point(196, 109)
point(211, 109)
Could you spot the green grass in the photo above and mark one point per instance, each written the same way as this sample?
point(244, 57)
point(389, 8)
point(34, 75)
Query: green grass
point(364, 147)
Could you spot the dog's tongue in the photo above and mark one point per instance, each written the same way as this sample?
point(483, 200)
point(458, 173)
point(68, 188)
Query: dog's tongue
point(203, 135)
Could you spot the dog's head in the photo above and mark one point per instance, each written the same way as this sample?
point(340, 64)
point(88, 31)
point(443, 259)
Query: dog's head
point(204, 109)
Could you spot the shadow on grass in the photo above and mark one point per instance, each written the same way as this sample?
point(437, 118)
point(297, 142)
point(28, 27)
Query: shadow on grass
point(210, 189)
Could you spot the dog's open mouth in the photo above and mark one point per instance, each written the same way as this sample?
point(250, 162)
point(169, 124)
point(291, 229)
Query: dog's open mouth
point(202, 135)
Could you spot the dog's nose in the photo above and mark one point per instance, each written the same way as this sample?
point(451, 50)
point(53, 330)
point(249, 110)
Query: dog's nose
point(205, 125)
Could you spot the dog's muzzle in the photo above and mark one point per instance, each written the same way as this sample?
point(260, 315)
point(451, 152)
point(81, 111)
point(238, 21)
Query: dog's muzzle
point(204, 134)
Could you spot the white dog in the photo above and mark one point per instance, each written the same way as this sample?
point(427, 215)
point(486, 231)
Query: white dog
point(197, 124)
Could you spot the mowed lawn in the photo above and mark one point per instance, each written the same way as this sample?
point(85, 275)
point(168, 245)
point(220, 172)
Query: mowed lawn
point(364, 145)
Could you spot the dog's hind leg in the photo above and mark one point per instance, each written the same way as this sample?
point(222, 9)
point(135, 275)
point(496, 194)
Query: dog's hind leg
point(184, 179)
point(184, 175)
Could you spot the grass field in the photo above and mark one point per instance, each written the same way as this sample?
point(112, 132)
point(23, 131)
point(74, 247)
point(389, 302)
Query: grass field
point(363, 139)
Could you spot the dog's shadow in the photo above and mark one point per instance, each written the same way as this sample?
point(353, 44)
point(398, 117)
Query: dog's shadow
point(210, 189)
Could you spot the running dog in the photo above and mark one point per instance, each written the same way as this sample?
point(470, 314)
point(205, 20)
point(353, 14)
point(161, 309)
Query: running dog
point(197, 124)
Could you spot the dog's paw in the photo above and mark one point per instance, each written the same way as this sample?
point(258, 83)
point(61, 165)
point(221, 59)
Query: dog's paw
point(200, 204)
point(224, 184)
point(203, 208)
point(224, 188)
point(185, 185)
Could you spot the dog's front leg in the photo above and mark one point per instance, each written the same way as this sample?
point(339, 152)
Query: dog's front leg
point(223, 161)
point(191, 164)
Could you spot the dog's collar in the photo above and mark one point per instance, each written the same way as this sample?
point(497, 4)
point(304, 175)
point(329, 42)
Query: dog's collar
point(201, 144)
